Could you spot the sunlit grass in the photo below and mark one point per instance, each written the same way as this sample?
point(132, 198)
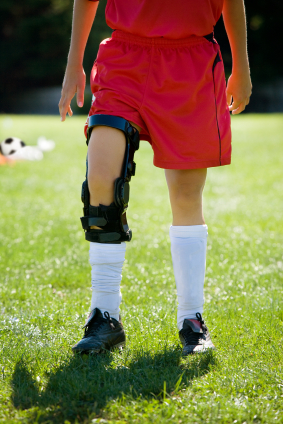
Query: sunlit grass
point(45, 289)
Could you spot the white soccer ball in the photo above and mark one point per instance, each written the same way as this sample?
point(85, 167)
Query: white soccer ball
point(11, 145)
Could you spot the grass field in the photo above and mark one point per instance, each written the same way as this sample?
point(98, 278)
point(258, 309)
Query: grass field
point(45, 290)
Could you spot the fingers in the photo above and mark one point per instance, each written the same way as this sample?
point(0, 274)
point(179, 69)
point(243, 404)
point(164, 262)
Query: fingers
point(65, 101)
point(238, 91)
point(229, 98)
point(70, 112)
point(234, 105)
point(74, 82)
point(237, 107)
point(80, 96)
point(64, 104)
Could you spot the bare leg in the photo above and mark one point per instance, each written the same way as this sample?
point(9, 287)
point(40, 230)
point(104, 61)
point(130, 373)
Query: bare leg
point(106, 152)
point(185, 191)
point(188, 236)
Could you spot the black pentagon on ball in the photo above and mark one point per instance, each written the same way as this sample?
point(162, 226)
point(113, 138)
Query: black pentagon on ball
point(8, 140)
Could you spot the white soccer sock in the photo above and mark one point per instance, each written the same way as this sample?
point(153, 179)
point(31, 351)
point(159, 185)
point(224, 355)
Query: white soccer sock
point(188, 248)
point(106, 262)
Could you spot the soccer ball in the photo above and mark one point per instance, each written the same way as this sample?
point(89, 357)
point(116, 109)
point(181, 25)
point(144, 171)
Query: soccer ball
point(11, 145)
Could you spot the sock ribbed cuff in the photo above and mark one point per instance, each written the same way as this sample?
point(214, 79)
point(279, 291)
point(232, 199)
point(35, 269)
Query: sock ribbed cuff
point(188, 231)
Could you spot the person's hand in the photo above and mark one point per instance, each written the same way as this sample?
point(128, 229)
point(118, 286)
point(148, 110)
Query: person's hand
point(239, 90)
point(74, 82)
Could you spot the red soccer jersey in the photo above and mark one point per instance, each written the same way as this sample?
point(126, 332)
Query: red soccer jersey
point(171, 19)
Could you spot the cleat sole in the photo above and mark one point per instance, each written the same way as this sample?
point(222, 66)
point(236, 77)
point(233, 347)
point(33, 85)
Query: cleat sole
point(119, 346)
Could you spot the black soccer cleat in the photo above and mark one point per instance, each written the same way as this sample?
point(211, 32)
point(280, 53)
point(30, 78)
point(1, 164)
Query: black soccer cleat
point(101, 334)
point(195, 336)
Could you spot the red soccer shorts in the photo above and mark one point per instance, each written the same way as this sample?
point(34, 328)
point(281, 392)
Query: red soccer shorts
point(174, 90)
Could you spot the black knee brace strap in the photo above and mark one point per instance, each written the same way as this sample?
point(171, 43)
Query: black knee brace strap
point(111, 219)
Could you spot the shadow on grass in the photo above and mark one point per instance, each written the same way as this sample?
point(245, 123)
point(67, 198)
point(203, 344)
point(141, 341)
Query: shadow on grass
point(82, 386)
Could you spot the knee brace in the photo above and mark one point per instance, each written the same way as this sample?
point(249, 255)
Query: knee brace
point(111, 219)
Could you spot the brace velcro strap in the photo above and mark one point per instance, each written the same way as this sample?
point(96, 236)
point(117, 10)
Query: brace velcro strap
point(89, 221)
point(98, 236)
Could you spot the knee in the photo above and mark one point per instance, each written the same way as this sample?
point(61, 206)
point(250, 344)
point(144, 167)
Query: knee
point(186, 186)
point(100, 181)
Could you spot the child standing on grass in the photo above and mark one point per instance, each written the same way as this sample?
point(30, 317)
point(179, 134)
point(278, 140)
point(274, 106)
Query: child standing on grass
point(161, 71)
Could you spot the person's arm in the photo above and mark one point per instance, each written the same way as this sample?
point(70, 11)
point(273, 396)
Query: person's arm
point(74, 79)
point(239, 86)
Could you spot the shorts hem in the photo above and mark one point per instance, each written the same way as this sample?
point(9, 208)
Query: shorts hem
point(191, 165)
